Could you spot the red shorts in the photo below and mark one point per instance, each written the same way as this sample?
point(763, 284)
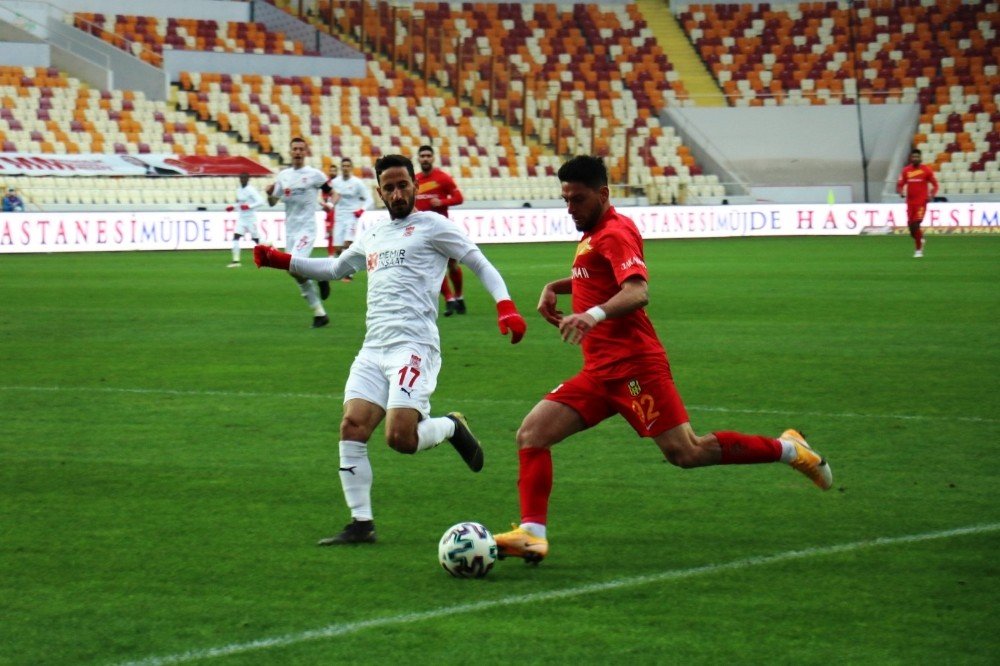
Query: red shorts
point(647, 399)
point(915, 212)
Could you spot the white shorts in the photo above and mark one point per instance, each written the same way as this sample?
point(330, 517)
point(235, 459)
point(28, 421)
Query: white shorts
point(344, 228)
point(247, 228)
point(301, 244)
point(404, 376)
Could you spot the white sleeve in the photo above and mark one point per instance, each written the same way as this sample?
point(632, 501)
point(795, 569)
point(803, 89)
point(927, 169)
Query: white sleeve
point(327, 268)
point(487, 274)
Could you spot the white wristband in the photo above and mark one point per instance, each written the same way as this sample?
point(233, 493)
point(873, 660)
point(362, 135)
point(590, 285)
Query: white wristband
point(598, 313)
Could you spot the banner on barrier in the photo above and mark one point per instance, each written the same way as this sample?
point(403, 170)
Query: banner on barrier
point(144, 164)
point(202, 230)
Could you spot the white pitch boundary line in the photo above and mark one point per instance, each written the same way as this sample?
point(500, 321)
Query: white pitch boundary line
point(491, 401)
point(345, 628)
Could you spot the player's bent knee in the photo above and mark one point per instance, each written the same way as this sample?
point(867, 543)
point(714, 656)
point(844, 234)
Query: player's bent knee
point(401, 443)
point(353, 431)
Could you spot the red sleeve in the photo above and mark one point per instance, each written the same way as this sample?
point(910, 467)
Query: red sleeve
point(452, 195)
point(902, 180)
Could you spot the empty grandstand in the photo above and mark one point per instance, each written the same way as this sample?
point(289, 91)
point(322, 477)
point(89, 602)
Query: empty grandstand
point(505, 91)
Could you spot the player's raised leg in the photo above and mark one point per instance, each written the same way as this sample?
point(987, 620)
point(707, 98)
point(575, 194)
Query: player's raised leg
point(682, 447)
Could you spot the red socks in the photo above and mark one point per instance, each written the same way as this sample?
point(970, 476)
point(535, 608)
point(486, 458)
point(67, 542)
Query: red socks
point(446, 290)
point(534, 484)
point(740, 449)
point(455, 274)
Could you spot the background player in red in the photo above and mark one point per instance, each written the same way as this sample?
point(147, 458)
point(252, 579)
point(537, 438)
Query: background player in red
point(437, 191)
point(921, 186)
point(625, 368)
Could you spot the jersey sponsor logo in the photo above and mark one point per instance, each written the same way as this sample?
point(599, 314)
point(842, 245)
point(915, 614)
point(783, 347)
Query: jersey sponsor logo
point(378, 260)
point(408, 231)
point(583, 247)
point(580, 272)
point(634, 261)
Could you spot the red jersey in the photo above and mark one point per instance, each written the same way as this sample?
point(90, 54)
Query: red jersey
point(917, 180)
point(437, 184)
point(606, 256)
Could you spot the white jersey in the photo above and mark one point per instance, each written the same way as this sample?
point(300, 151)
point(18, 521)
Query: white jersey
point(406, 261)
point(298, 189)
point(250, 197)
point(354, 195)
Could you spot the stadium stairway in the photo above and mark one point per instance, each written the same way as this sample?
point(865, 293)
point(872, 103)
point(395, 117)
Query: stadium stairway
point(700, 83)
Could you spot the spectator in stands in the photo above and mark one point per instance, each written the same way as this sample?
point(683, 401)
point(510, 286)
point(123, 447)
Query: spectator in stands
point(13, 203)
point(353, 198)
point(921, 186)
point(248, 200)
point(437, 191)
point(298, 187)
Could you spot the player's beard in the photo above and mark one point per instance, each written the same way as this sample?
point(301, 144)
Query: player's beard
point(400, 209)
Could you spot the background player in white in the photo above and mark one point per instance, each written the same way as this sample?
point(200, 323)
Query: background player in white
point(353, 199)
point(248, 200)
point(395, 373)
point(298, 187)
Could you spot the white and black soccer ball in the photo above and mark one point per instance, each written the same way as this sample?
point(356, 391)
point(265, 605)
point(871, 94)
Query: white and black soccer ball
point(467, 550)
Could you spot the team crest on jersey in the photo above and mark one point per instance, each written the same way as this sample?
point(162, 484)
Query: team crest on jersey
point(408, 231)
point(414, 361)
point(583, 247)
point(633, 387)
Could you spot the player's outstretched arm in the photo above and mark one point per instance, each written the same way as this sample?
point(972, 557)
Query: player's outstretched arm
point(509, 320)
point(325, 268)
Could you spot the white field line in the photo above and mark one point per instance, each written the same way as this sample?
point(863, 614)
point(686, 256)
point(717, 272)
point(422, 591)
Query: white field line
point(342, 629)
point(491, 401)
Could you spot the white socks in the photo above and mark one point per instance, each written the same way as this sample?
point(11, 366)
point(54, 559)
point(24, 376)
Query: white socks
point(535, 528)
point(310, 292)
point(236, 249)
point(356, 478)
point(431, 432)
point(788, 452)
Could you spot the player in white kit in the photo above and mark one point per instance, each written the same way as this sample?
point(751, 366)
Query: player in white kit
point(353, 199)
point(248, 200)
point(395, 373)
point(298, 187)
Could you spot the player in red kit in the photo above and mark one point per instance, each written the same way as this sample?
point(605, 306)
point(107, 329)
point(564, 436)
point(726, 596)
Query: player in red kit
point(625, 368)
point(437, 191)
point(921, 186)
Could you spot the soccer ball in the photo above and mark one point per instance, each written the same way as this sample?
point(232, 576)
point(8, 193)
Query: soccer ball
point(467, 550)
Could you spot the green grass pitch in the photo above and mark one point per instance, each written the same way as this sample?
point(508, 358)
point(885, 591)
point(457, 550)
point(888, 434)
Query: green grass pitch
point(168, 459)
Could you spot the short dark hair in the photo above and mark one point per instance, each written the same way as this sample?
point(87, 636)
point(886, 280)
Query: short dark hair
point(585, 169)
point(423, 148)
point(389, 161)
point(297, 139)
